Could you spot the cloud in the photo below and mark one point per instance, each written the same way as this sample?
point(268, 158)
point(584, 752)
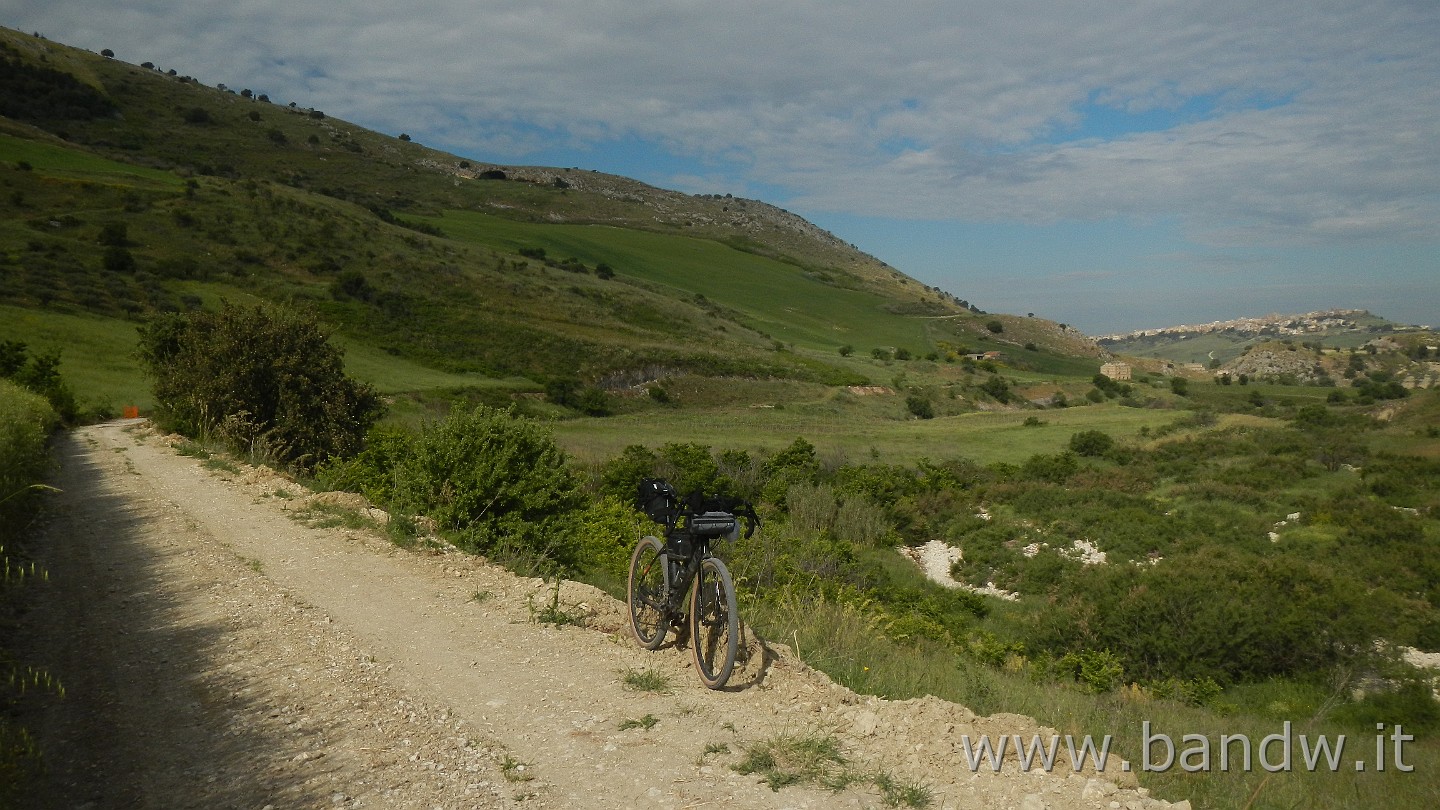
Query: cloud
point(1294, 123)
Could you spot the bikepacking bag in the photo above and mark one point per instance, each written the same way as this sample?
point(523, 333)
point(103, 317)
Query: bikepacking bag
point(713, 524)
point(656, 498)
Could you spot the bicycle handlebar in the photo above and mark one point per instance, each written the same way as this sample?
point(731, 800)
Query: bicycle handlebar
point(658, 499)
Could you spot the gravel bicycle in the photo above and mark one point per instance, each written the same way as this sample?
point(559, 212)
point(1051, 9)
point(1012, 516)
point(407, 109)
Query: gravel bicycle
point(679, 583)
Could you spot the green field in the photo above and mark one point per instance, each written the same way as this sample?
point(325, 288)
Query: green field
point(97, 355)
point(857, 429)
point(775, 298)
point(58, 161)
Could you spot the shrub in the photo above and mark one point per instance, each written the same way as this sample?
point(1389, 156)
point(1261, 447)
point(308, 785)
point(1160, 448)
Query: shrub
point(919, 407)
point(498, 480)
point(1218, 615)
point(118, 260)
point(1099, 671)
point(688, 466)
point(1056, 469)
point(371, 472)
point(1091, 443)
point(996, 387)
point(995, 326)
point(25, 424)
point(114, 234)
point(620, 475)
point(792, 465)
point(264, 380)
point(606, 531)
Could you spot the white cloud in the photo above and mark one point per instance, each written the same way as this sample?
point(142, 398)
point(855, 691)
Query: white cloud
point(935, 109)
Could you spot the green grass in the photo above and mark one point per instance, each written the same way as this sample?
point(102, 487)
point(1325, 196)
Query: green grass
point(645, 723)
point(97, 354)
point(391, 374)
point(516, 771)
point(646, 680)
point(816, 759)
point(847, 430)
point(52, 160)
point(775, 298)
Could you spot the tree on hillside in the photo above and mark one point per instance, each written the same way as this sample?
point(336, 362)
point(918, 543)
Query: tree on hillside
point(264, 380)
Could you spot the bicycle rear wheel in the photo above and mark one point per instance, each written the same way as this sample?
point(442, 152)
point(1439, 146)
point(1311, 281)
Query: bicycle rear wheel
point(714, 623)
point(647, 593)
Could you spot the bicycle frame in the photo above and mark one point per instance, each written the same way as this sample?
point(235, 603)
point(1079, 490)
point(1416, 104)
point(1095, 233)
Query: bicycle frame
point(680, 573)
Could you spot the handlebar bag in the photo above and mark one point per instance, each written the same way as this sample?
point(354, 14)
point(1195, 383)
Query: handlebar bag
point(712, 524)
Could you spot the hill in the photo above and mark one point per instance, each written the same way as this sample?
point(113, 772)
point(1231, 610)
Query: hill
point(128, 189)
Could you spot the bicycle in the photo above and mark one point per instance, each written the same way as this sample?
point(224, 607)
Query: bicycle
point(662, 574)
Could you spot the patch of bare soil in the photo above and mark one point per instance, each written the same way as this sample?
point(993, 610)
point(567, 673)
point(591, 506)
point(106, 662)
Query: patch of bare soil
point(218, 652)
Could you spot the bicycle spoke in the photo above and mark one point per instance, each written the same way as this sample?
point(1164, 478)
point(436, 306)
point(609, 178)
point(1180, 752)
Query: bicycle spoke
point(647, 594)
point(714, 625)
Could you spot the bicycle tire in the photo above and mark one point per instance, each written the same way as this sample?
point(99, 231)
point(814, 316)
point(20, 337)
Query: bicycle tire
point(714, 623)
point(646, 593)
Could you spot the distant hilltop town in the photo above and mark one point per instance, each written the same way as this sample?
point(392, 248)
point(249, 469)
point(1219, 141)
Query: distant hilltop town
point(1309, 323)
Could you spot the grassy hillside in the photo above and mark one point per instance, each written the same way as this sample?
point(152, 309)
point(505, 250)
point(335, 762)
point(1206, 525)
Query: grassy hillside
point(127, 190)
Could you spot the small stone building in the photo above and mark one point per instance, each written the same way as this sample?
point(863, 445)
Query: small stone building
point(1116, 370)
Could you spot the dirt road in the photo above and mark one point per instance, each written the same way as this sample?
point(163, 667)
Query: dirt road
point(218, 652)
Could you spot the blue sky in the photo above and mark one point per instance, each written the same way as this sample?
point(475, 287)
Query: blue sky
point(1109, 164)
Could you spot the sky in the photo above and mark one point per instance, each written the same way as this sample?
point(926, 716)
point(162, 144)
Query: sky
point(1109, 164)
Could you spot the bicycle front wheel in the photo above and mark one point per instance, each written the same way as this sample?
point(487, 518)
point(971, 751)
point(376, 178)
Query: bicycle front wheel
point(714, 623)
point(647, 593)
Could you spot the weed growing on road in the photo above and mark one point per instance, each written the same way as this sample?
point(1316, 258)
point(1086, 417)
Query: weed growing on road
point(814, 759)
point(480, 597)
point(330, 516)
point(221, 465)
point(901, 793)
point(789, 759)
point(191, 449)
point(646, 680)
point(554, 614)
point(515, 770)
point(402, 530)
point(647, 722)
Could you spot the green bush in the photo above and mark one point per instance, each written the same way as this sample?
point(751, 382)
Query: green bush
point(26, 421)
point(1099, 671)
point(688, 467)
point(499, 481)
point(1091, 443)
point(371, 472)
point(41, 374)
point(919, 407)
point(997, 387)
point(606, 532)
point(1218, 615)
point(619, 476)
point(264, 380)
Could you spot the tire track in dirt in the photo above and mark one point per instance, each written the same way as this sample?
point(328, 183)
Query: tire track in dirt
point(246, 659)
